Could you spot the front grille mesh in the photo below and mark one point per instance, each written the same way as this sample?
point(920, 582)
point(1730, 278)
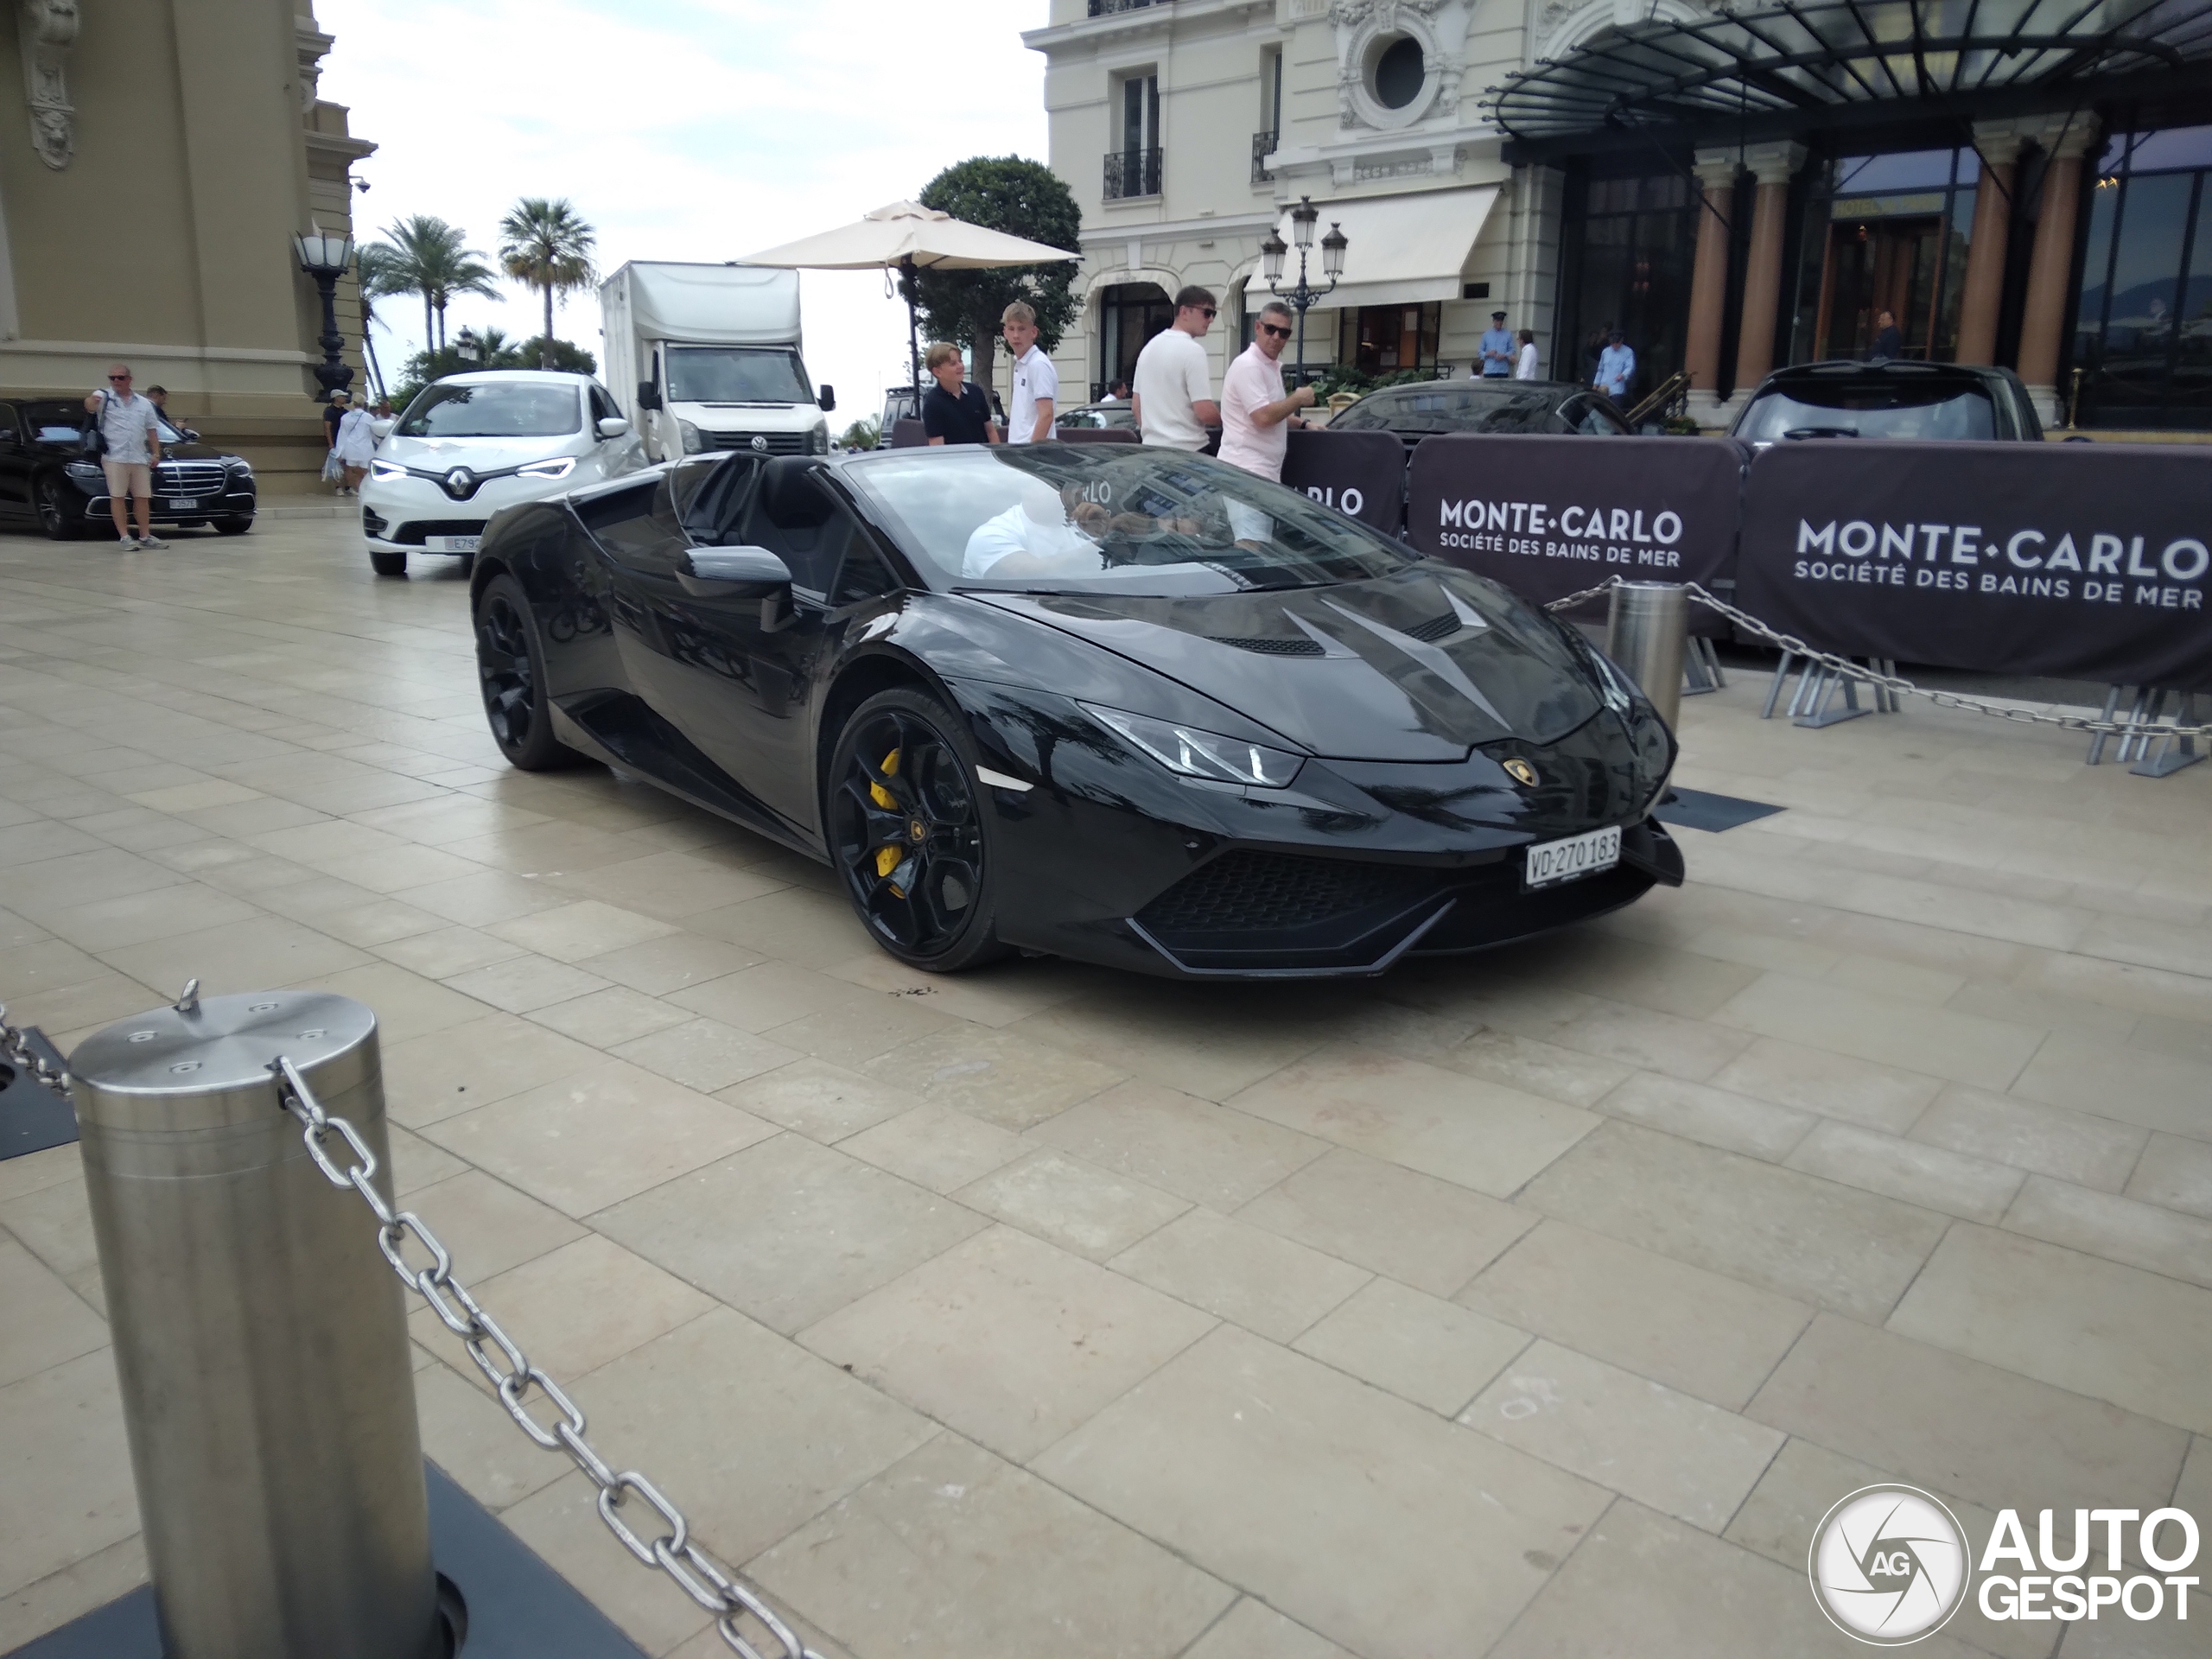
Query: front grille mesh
point(1251, 891)
point(1437, 627)
point(1269, 647)
point(188, 478)
point(779, 443)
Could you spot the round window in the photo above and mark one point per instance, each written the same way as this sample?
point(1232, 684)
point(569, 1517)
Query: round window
point(1399, 73)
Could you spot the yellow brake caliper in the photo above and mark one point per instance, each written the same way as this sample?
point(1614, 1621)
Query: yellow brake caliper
point(886, 858)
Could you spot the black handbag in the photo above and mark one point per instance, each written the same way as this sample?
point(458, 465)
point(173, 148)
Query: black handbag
point(93, 445)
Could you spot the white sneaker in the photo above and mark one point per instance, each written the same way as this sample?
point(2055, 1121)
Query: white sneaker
point(128, 543)
point(151, 540)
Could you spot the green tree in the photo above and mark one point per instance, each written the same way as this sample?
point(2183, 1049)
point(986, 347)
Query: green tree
point(862, 434)
point(422, 254)
point(545, 245)
point(562, 354)
point(1022, 198)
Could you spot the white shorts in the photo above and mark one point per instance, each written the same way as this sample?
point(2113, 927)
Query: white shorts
point(128, 478)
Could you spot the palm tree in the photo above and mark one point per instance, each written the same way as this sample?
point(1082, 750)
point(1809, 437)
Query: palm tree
point(424, 255)
point(545, 245)
point(372, 274)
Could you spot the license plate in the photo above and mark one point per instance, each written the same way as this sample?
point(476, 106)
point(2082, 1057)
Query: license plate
point(1578, 855)
point(453, 544)
point(180, 503)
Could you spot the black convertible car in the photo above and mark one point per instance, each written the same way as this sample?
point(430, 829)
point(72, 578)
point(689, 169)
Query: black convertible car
point(1113, 702)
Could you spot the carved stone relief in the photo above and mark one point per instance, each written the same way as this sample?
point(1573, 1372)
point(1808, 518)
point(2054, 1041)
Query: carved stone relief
point(1440, 27)
point(313, 46)
point(47, 28)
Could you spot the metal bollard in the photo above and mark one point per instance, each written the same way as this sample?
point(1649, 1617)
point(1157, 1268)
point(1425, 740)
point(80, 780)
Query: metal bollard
point(259, 1334)
point(1646, 628)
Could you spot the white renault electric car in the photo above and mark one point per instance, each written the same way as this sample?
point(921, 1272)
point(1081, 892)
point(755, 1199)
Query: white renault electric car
point(470, 444)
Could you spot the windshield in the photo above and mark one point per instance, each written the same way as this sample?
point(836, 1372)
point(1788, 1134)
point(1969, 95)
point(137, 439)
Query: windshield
point(498, 409)
point(1451, 409)
point(1112, 518)
point(736, 374)
point(1941, 409)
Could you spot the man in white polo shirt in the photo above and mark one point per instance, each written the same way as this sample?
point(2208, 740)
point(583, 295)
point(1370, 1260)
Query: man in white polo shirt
point(1256, 416)
point(1036, 382)
point(1174, 387)
point(130, 447)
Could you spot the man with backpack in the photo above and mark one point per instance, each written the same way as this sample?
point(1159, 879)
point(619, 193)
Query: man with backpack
point(130, 447)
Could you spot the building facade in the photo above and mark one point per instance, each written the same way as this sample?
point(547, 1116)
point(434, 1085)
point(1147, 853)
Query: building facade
point(159, 157)
point(1732, 188)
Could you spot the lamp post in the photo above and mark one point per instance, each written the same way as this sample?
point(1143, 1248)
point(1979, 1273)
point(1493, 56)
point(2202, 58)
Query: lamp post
point(469, 348)
point(326, 259)
point(1303, 296)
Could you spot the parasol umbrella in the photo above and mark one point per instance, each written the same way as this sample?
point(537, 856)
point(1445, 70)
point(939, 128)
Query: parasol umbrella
point(908, 236)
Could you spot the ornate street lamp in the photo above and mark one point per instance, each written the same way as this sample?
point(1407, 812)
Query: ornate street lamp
point(325, 259)
point(1303, 296)
point(470, 349)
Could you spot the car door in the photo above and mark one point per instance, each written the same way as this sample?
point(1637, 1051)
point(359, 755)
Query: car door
point(15, 502)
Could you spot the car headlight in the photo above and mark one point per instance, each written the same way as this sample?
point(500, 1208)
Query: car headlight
point(86, 470)
point(1619, 694)
point(1189, 752)
point(559, 466)
point(385, 471)
point(817, 442)
point(238, 464)
point(693, 443)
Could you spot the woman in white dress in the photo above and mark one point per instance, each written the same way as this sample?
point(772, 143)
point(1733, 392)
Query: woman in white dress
point(1524, 367)
point(355, 446)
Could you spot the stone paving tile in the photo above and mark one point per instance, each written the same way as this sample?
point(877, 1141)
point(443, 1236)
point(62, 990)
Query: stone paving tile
point(1074, 1204)
point(1419, 1231)
point(1834, 1085)
point(1642, 1439)
point(73, 1591)
point(1253, 1278)
point(992, 1562)
point(488, 1225)
point(1806, 1238)
point(1716, 1117)
point(1252, 1630)
point(1887, 1030)
point(2092, 1152)
point(1540, 1068)
point(935, 1147)
point(821, 1101)
point(1987, 1434)
point(2113, 1332)
point(2117, 1228)
point(486, 1059)
point(1705, 1333)
point(44, 1321)
point(64, 1467)
point(704, 1054)
point(1910, 1170)
point(1256, 1463)
point(1008, 1340)
point(1466, 1129)
point(1004, 1077)
point(788, 1231)
point(2136, 1085)
point(1207, 1154)
point(54, 1222)
point(2175, 1173)
point(1418, 1346)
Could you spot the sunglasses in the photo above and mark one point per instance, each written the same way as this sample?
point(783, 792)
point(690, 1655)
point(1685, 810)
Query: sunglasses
point(1270, 329)
point(118, 376)
point(1205, 311)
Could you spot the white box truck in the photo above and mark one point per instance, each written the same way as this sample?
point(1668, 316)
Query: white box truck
point(707, 357)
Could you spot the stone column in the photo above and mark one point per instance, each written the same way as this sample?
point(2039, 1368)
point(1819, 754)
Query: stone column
point(1983, 290)
point(1773, 166)
point(1716, 172)
point(2043, 326)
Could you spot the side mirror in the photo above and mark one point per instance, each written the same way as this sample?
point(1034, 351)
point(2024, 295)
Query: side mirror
point(191, 434)
point(828, 399)
point(648, 395)
point(383, 429)
point(731, 573)
point(613, 427)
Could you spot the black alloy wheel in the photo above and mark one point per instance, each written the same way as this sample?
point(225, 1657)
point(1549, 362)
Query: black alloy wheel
point(908, 833)
point(511, 672)
point(55, 517)
point(387, 564)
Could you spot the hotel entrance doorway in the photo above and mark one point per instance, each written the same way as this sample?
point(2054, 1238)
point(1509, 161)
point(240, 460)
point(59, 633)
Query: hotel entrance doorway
point(1877, 265)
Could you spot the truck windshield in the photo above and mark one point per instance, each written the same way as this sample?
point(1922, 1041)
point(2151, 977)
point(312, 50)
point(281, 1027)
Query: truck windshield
point(736, 374)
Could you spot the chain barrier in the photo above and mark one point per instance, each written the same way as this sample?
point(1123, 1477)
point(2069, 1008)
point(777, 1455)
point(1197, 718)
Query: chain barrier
point(16, 1048)
point(1866, 676)
point(512, 1377)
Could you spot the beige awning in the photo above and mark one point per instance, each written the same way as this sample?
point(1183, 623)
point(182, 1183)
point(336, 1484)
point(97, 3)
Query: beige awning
point(904, 233)
point(1402, 249)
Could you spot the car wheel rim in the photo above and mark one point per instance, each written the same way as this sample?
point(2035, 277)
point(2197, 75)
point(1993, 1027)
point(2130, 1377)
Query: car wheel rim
point(909, 838)
point(50, 507)
point(503, 670)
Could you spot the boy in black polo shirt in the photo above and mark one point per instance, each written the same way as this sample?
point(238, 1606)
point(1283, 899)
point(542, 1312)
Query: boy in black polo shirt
point(953, 412)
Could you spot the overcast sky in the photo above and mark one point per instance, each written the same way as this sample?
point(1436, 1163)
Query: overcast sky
point(698, 130)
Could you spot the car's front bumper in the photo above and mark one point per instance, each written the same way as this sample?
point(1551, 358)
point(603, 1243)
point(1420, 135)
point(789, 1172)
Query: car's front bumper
point(1108, 858)
point(236, 499)
point(406, 515)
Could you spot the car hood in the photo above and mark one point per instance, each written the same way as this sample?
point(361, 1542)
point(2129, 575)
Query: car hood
point(1422, 665)
point(477, 455)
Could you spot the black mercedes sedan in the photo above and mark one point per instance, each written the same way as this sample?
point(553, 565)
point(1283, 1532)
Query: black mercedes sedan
point(1113, 702)
point(44, 481)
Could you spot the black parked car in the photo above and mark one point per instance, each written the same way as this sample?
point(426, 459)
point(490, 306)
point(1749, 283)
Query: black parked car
point(1895, 398)
point(1110, 702)
point(44, 481)
point(1427, 408)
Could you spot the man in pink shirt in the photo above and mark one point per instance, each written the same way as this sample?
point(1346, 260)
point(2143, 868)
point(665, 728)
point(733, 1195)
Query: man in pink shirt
point(1256, 416)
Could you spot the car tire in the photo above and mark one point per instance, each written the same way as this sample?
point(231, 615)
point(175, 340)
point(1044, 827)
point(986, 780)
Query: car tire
point(238, 523)
point(55, 516)
point(919, 872)
point(468, 566)
point(387, 564)
point(511, 674)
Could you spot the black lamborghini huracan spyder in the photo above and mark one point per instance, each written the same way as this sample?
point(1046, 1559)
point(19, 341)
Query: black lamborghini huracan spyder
point(1108, 701)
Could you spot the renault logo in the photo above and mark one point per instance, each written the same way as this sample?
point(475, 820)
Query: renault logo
point(759, 442)
point(459, 481)
point(1521, 772)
